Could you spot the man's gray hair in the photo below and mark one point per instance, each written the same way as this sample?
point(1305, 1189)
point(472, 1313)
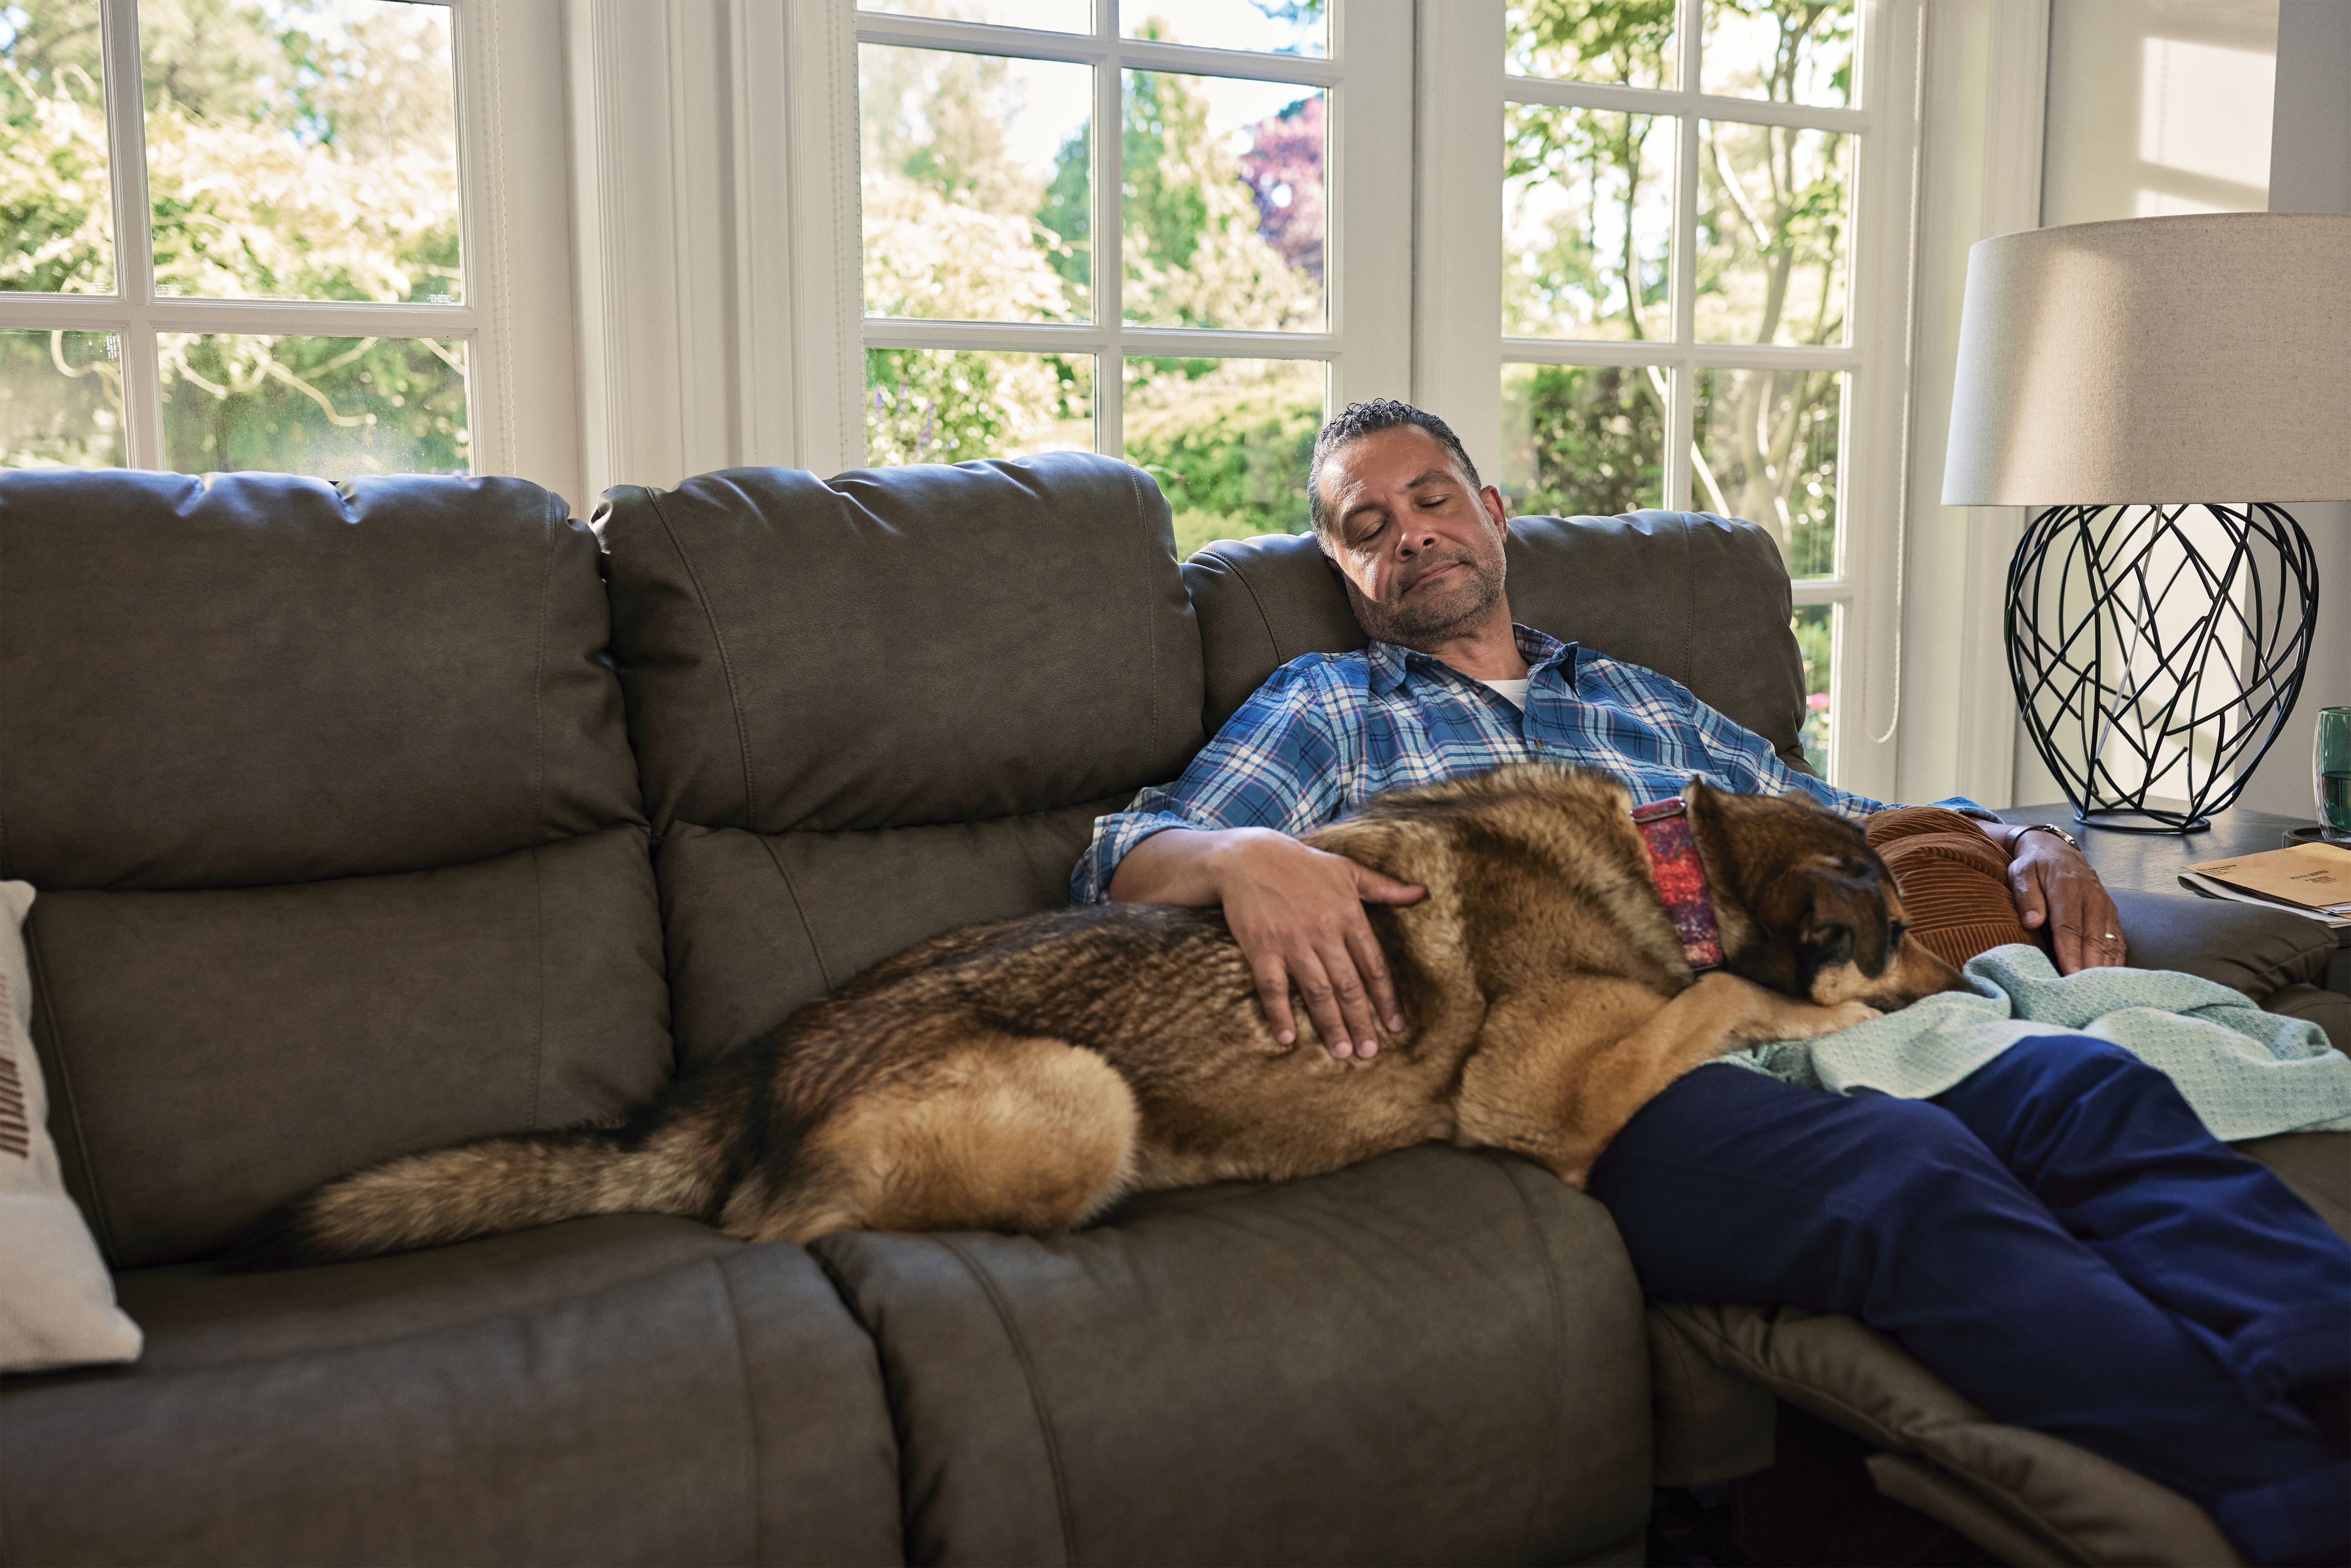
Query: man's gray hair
point(1358, 420)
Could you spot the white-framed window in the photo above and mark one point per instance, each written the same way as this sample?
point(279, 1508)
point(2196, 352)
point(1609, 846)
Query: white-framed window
point(1174, 230)
point(1694, 256)
point(258, 235)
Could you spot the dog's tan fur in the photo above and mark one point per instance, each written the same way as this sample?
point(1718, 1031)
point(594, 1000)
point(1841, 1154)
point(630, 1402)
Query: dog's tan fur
point(1025, 1075)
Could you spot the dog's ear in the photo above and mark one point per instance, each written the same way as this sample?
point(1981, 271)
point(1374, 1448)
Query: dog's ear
point(1848, 923)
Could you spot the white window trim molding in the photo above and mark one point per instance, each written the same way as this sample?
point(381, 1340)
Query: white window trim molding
point(708, 154)
point(517, 220)
point(1986, 99)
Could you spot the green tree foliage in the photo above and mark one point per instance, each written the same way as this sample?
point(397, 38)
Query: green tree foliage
point(956, 230)
point(1772, 208)
point(1227, 443)
point(1595, 435)
point(283, 161)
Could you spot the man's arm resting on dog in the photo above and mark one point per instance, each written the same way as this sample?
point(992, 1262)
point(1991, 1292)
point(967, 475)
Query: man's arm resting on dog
point(1298, 915)
point(1225, 833)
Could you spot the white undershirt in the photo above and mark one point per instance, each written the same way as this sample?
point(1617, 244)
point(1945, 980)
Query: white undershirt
point(1514, 690)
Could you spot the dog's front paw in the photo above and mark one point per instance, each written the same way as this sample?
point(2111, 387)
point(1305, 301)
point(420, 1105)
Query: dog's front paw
point(1845, 1014)
point(1811, 1022)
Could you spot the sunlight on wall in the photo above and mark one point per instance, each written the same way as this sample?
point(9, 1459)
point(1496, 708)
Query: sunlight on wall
point(2203, 108)
point(2158, 107)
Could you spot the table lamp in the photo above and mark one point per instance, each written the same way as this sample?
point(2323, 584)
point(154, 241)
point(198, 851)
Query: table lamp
point(2157, 386)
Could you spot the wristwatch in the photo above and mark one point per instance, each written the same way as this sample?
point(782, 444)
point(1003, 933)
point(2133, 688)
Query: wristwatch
point(2019, 831)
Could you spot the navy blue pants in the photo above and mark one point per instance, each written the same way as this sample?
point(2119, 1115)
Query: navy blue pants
point(2056, 1235)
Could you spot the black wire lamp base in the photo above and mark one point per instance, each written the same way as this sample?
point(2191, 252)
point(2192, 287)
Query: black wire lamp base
point(2158, 645)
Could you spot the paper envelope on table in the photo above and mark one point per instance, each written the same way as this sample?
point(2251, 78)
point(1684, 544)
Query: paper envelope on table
point(2309, 877)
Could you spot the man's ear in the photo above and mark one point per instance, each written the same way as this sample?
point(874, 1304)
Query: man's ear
point(1490, 498)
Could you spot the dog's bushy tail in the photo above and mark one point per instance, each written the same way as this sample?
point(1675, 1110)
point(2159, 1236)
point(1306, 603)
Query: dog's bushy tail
point(484, 1188)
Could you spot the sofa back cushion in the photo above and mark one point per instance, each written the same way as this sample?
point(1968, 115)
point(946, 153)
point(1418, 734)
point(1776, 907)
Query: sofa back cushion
point(328, 796)
point(1702, 599)
point(869, 710)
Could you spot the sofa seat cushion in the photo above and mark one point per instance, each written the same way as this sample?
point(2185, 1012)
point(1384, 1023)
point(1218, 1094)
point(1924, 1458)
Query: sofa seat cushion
point(1432, 1357)
point(632, 1389)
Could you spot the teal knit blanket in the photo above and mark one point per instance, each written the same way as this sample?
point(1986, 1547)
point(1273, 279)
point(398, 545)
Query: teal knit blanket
point(2248, 1074)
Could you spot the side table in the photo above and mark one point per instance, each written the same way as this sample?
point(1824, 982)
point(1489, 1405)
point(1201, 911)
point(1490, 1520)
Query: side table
point(2151, 862)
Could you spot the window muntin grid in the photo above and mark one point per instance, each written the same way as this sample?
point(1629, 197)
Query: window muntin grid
point(1146, 334)
point(163, 319)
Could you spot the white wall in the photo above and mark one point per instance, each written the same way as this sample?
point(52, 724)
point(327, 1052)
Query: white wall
point(2158, 107)
point(2309, 172)
point(1980, 172)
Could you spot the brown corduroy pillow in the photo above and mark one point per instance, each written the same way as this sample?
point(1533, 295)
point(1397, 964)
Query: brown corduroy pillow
point(1954, 881)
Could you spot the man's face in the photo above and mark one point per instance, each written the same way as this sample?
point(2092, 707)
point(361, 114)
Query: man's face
point(1421, 550)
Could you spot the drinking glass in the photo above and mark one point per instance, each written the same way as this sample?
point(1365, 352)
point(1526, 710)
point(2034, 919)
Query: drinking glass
point(2330, 762)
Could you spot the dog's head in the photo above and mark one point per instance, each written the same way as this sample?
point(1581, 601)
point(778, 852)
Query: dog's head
point(1809, 910)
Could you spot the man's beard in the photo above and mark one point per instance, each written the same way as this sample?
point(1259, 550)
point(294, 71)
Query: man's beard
point(1425, 619)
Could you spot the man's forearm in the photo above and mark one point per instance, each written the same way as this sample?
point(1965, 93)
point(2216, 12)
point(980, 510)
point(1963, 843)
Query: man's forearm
point(1176, 865)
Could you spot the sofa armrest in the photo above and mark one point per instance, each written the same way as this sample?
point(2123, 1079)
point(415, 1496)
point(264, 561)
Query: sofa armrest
point(2257, 951)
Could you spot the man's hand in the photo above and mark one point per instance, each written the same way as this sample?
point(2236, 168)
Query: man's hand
point(1298, 915)
point(2055, 887)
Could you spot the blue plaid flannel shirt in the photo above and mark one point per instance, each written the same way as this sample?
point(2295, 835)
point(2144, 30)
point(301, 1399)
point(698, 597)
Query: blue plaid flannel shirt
point(1328, 731)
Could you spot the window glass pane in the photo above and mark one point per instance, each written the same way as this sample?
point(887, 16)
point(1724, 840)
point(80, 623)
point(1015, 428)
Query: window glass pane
point(1629, 42)
point(53, 181)
point(1797, 51)
point(1049, 15)
point(978, 185)
point(1767, 452)
point(302, 149)
point(60, 400)
point(1223, 202)
point(1588, 219)
point(1774, 217)
point(327, 406)
point(943, 405)
point(1262, 26)
point(1583, 440)
point(1815, 629)
point(1227, 440)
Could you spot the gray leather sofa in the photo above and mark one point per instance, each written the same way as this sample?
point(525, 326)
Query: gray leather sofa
point(371, 818)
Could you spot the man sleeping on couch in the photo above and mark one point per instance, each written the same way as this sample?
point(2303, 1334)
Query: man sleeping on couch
point(2053, 1230)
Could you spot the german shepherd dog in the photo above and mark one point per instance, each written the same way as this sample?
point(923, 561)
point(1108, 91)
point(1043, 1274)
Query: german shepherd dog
point(1025, 1075)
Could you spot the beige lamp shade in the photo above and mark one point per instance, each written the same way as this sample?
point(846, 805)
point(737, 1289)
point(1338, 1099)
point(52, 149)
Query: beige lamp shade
point(2194, 358)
